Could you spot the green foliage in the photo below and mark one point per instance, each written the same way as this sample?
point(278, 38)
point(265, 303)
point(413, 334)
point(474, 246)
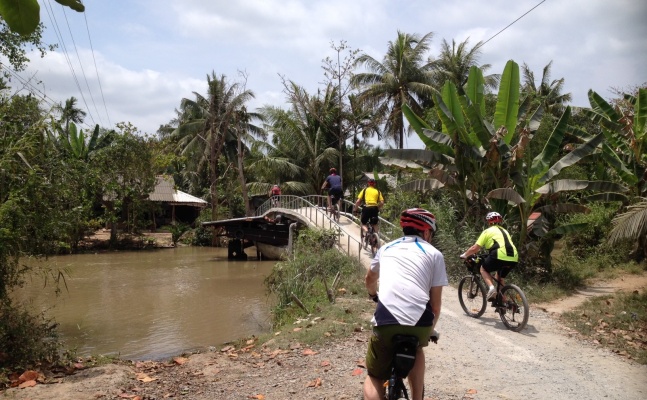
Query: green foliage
point(590, 241)
point(177, 230)
point(26, 340)
point(451, 238)
point(23, 16)
point(306, 274)
point(202, 236)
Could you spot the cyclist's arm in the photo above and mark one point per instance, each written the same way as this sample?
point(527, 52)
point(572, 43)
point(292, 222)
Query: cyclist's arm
point(435, 298)
point(370, 281)
point(358, 202)
point(472, 250)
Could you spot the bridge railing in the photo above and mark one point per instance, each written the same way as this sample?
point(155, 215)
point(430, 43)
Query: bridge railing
point(388, 231)
point(314, 207)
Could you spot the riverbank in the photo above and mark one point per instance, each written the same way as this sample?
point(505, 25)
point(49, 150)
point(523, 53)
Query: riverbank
point(325, 360)
point(100, 240)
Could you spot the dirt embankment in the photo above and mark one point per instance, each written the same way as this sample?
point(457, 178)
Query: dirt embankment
point(475, 359)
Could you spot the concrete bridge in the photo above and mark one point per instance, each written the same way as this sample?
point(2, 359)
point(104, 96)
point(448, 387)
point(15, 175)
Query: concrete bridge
point(272, 228)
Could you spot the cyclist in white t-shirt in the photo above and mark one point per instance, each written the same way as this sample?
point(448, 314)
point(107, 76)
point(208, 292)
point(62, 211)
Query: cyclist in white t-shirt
point(411, 274)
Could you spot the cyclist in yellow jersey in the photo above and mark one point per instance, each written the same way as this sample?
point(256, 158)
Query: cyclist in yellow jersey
point(503, 255)
point(373, 202)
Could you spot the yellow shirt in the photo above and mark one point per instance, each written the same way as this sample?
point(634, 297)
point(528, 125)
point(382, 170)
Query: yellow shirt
point(373, 196)
point(499, 243)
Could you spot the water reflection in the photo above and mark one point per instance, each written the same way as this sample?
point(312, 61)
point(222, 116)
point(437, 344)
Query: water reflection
point(155, 304)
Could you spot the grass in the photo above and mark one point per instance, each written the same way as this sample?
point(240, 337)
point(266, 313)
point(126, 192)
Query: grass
point(617, 322)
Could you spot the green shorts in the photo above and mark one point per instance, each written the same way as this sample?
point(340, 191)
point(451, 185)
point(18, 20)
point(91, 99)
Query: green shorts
point(380, 347)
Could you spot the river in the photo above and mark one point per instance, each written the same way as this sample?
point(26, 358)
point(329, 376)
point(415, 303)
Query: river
point(142, 305)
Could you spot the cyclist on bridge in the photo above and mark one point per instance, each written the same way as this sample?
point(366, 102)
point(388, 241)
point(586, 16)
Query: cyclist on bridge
point(411, 275)
point(335, 190)
point(275, 191)
point(502, 253)
point(373, 201)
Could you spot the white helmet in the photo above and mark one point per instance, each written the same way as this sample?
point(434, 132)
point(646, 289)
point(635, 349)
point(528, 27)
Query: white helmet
point(493, 217)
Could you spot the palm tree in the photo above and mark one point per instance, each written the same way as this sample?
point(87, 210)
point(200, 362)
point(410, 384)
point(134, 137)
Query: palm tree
point(70, 113)
point(399, 79)
point(549, 93)
point(454, 63)
point(310, 126)
point(205, 124)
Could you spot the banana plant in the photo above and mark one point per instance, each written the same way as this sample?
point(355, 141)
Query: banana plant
point(536, 184)
point(626, 134)
point(469, 154)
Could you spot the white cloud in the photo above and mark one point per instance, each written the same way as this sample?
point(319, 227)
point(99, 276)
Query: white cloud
point(152, 53)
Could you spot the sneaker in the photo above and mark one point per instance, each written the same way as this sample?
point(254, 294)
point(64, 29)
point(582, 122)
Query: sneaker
point(491, 294)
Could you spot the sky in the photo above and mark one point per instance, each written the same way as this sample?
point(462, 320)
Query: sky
point(133, 61)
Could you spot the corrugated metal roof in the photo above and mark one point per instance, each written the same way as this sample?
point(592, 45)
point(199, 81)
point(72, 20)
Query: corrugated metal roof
point(165, 192)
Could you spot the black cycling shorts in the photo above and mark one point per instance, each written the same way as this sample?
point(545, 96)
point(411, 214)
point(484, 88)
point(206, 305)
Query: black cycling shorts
point(336, 194)
point(370, 214)
point(491, 264)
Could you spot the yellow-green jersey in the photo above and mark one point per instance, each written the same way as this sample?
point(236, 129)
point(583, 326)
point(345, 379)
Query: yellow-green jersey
point(499, 243)
point(371, 196)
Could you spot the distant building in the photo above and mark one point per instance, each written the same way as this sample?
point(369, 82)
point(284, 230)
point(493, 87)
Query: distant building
point(176, 206)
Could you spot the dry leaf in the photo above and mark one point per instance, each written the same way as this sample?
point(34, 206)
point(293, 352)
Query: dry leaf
point(28, 376)
point(27, 384)
point(309, 352)
point(357, 371)
point(142, 377)
point(180, 360)
point(227, 348)
point(471, 391)
point(257, 397)
point(325, 363)
point(315, 383)
point(296, 329)
point(250, 341)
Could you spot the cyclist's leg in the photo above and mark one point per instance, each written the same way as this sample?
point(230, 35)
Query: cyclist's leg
point(364, 220)
point(372, 217)
point(488, 267)
point(416, 376)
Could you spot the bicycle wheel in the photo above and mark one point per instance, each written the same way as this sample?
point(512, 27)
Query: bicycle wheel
point(336, 213)
point(374, 241)
point(471, 295)
point(516, 311)
point(395, 389)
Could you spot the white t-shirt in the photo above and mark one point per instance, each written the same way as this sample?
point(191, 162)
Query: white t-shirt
point(408, 268)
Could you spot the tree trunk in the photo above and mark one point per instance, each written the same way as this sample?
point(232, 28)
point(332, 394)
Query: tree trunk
point(241, 176)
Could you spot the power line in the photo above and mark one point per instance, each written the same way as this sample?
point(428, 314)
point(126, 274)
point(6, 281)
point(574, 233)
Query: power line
point(81, 65)
point(96, 69)
point(512, 23)
point(52, 18)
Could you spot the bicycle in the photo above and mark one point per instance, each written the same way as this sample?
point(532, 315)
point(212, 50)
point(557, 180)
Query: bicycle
point(334, 208)
point(371, 240)
point(274, 201)
point(404, 358)
point(510, 301)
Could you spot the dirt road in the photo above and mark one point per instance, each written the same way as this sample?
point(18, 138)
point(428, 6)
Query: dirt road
point(475, 359)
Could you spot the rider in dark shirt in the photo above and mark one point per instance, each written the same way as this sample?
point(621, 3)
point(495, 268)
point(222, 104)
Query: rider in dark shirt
point(334, 185)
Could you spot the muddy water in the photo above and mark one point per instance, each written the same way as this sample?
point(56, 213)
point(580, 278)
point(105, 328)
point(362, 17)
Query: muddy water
point(155, 304)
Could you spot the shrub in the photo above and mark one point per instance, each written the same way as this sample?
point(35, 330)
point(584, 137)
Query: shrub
point(305, 276)
point(26, 340)
point(591, 239)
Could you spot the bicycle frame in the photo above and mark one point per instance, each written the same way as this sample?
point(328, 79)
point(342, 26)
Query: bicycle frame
point(510, 301)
